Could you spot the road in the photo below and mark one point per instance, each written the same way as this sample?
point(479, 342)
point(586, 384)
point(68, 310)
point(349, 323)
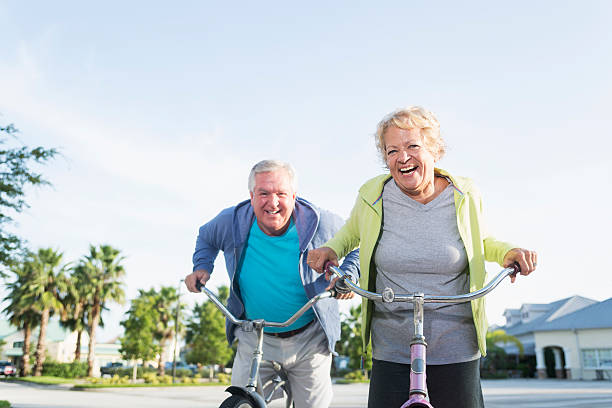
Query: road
point(498, 394)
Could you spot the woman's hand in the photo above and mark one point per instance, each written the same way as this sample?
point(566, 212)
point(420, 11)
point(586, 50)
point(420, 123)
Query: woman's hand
point(527, 260)
point(317, 258)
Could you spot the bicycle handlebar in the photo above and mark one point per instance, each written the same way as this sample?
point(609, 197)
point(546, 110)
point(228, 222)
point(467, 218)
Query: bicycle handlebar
point(264, 323)
point(389, 296)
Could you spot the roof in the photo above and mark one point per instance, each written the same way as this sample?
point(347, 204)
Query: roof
point(55, 332)
point(595, 316)
point(557, 310)
point(6, 329)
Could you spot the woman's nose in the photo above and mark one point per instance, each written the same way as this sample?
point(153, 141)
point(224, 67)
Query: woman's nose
point(404, 156)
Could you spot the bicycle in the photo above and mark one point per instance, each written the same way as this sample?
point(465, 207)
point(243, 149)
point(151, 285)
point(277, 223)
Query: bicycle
point(247, 396)
point(418, 395)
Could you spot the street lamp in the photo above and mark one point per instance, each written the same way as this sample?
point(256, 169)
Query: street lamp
point(176, 325)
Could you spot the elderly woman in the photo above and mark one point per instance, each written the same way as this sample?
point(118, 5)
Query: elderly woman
point(420, 228)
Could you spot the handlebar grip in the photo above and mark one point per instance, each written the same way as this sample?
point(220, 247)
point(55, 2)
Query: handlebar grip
point(199, 285)
point(517, 269)
point(326, 266)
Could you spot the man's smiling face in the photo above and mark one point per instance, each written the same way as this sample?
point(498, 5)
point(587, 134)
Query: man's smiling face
point(273, 200)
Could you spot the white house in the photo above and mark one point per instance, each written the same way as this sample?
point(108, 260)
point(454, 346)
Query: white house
point(577, 330)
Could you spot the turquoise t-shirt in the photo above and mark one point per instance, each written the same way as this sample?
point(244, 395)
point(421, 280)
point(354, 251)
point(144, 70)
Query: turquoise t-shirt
point(269, 278)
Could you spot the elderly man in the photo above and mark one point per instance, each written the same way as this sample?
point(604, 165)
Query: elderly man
point(265, 241)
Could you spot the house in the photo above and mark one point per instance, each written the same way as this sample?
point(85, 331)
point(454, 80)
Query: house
point(61, 343)
point(575, 333)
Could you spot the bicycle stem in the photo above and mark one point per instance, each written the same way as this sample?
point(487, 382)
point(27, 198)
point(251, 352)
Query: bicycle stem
point(251, 385)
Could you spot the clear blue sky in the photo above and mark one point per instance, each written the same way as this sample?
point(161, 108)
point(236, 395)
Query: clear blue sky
point(160, 111)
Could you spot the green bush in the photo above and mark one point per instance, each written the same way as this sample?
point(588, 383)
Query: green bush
point(65, 370)
point(223, 378)
point(115, 379)
point(5, 404)
point(356, 375)
point(181, 372)
point(140, 371)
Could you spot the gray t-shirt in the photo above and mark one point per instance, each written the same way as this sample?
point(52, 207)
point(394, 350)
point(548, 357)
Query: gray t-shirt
point(420, 250)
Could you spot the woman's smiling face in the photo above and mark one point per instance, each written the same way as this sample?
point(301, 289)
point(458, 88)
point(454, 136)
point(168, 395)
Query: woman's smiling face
point(410, 161)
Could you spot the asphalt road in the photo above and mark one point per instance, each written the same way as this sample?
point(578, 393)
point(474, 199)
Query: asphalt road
point(498, 394)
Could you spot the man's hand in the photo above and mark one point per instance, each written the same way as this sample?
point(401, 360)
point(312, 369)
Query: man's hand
point(317, 258)
point(527, 260)
point(201, 276)
point(348, 295)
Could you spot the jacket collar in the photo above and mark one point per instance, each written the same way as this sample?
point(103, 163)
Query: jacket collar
point(372, 190)
point(305, 216)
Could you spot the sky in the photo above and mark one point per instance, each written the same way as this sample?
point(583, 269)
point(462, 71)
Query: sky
point(160, 111)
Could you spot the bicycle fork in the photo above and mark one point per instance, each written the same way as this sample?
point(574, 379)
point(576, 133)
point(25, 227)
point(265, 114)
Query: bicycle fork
point(418, 346)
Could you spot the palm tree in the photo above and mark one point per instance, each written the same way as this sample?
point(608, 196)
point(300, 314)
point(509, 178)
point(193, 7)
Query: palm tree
point(165, 303)
point(43, 292)
point(20, 313)
point(496, 356)
point(103, 273)
point(76, 305)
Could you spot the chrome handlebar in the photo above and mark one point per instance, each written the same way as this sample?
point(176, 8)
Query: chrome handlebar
point(264, 323)
point(388, 296)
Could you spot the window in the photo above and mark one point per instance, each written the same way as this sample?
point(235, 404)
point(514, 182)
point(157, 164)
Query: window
point(597, 358)
point(18, 344)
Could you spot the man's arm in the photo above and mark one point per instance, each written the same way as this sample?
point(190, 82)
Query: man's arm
point(214, 236)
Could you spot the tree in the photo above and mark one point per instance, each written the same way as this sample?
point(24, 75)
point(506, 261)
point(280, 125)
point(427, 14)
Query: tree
point(77, 304)
point(138, 342)
point(351, 344)
point(165, 303)
point(205, 336)
point(103, 274)
point(21, 313)
point(15, 174)
point(44, 291)
point(496, 356)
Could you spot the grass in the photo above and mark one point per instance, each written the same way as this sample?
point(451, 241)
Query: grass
point(347, 381)
point(45, 380)
point(136, 385)
point(4, 404)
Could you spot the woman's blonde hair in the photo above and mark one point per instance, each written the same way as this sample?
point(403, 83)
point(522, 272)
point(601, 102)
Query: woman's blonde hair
point(410, 118)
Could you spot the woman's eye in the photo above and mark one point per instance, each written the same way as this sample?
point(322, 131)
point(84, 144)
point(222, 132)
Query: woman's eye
point(390, 152)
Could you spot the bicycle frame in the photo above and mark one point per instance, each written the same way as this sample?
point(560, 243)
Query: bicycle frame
point(250, 390)
point(418, 347)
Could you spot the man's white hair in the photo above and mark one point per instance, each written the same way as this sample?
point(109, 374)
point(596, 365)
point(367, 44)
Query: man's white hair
point(266, 166)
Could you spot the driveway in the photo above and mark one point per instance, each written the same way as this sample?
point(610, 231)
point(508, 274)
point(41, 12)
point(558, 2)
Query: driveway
point(498, 394)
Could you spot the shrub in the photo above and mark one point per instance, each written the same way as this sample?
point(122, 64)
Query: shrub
point(150, 378)
point(223, 378)
point(140, 371)
point(187, 380)
point(5, 404)
point(356, 375)
point(181, 372)
point(65, 370)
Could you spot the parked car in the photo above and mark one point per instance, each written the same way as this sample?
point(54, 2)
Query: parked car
point(111, 368)
point(7, 369)
point(181, 365)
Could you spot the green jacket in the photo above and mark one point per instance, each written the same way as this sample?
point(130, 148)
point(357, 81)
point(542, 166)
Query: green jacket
point(363, 229)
